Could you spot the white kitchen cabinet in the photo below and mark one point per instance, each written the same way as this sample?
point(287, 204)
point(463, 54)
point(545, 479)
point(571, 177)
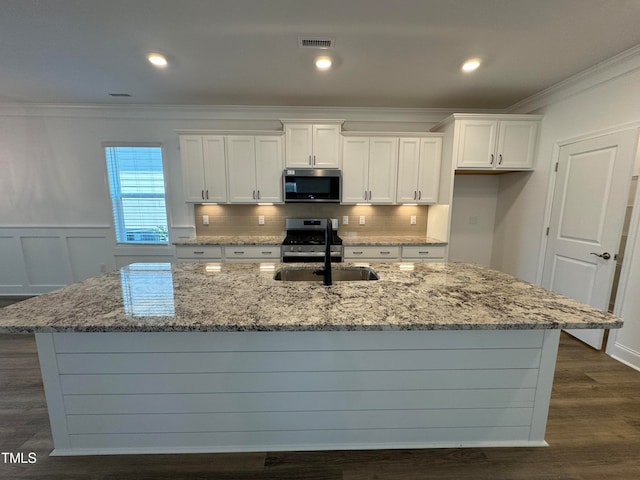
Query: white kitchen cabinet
point(190, 253)
point(310, 145)
point(252, 253)
point(378, 253)
point(204, 168)
point(369, 166)
point(254, 165)
point(485, 143)
point(424, 253)
point(419, 170)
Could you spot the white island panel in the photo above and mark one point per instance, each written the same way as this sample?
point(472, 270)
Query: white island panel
point(266, 391)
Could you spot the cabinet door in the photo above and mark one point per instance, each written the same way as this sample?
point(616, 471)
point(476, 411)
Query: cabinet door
point(269, 167)
point(516, 145)
point(477, 144)
point(408, 160)
point(355, 169)
point(192, 167)
point(326, 146)
point(429, 170)
point(215, 169)
point(383, 164)
point(241, 168)
point(298, 145)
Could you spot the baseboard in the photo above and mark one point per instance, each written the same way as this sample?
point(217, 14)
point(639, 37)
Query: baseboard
point(625, 355)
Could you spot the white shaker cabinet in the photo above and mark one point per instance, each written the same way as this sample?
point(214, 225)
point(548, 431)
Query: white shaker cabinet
point(204, 168)
point(485, 142)
point(369, 167)
point(419, 170)
point(310, 145)
point(255, 166)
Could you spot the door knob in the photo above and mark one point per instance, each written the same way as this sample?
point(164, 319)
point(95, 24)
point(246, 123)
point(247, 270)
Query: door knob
point(605, 255)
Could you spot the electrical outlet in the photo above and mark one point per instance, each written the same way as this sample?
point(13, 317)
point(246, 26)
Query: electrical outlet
point(205, 219)
point(260, 219)
point(345, 219)
point(413, 219)
point(361, 219)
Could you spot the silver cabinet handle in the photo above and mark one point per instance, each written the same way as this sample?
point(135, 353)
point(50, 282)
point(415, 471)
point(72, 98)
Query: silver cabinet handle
point(491, 162)
point(358, 253)
point(370, 196)
point(314, 160)
point(310, 160)
point(207, 194)
point(500, 159)
point(239, 253)
point(604, 256)
point(385, 253)
point(254, 194)
point(424, 253)
point(203, 194)
point(258, 194)
point(365, 194)
point(266, 253)
point(198, 253)
point(419, 194)
point(415, 195)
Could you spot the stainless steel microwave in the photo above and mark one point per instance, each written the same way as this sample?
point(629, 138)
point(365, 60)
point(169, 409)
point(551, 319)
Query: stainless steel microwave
point(311, 185)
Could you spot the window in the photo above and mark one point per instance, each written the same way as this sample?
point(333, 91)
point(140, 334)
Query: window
point(136, 182)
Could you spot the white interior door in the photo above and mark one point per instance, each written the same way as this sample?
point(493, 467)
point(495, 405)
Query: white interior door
point(586, 221)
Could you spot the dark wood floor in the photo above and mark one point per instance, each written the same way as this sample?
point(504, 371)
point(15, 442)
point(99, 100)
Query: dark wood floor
point(593, 432)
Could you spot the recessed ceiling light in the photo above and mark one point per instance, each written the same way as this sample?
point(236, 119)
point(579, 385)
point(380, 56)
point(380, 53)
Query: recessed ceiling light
point(471, 65)
point(157, 59)
point(323, 63)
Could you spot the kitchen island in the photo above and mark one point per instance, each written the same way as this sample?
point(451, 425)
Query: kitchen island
point(159, 358)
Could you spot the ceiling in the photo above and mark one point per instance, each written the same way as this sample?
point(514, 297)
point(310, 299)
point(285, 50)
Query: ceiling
point(400, 53)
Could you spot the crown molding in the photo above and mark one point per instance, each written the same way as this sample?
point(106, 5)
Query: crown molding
point(617, 66)
point(227, 112)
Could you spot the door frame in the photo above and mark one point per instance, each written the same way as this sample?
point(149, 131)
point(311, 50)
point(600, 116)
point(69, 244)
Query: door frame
point(544, 239)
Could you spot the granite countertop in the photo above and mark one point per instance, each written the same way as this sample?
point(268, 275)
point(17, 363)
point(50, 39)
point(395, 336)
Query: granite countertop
point(232, 240)
point(347, 240)
point(407, 240)
point(245, 297)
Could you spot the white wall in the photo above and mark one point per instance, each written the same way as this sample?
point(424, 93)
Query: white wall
point(473, 218)
point(600, 106)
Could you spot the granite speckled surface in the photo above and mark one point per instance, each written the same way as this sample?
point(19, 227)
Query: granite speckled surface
point(233, 240)
point(245, 297)
point(347, 239)
point(407, 240)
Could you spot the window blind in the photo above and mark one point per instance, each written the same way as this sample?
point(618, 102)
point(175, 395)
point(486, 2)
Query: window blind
point(136, 183)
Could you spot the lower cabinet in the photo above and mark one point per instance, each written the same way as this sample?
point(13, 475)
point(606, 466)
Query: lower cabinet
point(426, 253)
point(372, 253)
point(194, 253)
point(254, 253)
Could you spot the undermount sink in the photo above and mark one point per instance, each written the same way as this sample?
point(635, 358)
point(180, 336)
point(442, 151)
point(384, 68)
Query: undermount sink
point(347, 274)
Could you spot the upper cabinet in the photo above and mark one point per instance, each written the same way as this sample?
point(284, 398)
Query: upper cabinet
point(419, 169)
point(204, 168)
point(255, 165)
point(493, 142)
point(312, 145)
point(369, 167)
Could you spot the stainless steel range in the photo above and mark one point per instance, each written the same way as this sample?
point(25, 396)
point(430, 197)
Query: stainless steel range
point(305, 241)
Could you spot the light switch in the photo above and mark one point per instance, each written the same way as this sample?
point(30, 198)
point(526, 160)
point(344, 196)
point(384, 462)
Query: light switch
point(205, 219)
point(260, 219)
point(361, 219)
point(345, 219)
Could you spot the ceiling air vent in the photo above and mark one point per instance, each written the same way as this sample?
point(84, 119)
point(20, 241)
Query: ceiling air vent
point(316, 42)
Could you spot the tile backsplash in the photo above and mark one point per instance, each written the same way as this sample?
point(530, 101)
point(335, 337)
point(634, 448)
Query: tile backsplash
point(243, 219)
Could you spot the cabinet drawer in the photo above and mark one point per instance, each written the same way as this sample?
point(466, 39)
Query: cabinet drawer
point(199, 251)
point(254, 252)
point(388, 253)
point(425, 252)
